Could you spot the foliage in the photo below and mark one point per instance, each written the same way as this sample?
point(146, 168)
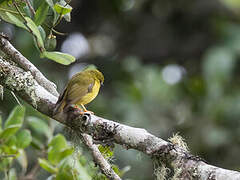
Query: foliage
point(13, 141)
point(60, 159)
point(34, 18)
point(134, 43)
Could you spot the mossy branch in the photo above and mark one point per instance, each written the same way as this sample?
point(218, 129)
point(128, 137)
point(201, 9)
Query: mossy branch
point(173, 155)
point(17, 57)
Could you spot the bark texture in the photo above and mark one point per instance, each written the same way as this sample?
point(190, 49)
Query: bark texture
point(174, 156)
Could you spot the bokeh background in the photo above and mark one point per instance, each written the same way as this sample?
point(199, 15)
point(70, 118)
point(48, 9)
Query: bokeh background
point(170, 67)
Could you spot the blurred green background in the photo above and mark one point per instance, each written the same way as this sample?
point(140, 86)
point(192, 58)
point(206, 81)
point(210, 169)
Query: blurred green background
point(170, 67)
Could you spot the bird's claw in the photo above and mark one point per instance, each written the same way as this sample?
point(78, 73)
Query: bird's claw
point(89, 112)
point(82, 111)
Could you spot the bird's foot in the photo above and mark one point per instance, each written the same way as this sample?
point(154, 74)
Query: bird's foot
point(78, 108)
point(82, 111)
point(86, 111)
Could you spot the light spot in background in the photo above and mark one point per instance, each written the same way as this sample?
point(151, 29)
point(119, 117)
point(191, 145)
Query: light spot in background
point(127, 5)
point(102, 45)
point(172, 73)
point(76, 68)
point(76, 44)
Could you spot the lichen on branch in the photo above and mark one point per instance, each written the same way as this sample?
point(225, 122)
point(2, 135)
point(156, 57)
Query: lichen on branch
point(23, 83)
point(173, 155)
point(8, 49)
point(19, 80)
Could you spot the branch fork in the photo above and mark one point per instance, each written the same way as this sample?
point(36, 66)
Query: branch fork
point(183, 164)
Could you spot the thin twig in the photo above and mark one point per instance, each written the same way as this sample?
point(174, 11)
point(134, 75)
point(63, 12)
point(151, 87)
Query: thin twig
point(41, 49)
point(58, 20)
point(1, 92)
point(59, 33)
point(30, 7)
point(129, 137)
point(99, 159)
point(55, 31)
point(45, 105)
point(16, 98)
point(19, 12)
point(8, 10)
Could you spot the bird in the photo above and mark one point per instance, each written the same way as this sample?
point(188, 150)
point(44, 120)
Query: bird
point(81, 89)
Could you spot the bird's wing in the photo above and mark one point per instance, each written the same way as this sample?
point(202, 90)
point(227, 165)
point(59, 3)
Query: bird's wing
point(79, 89)
point(61, 96)
point(60, 103)
point(73, 92)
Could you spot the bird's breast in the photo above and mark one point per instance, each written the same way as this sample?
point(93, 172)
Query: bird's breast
point(91, 95)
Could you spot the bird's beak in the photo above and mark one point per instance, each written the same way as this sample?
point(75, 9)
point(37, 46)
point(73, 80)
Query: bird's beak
point(102, 84)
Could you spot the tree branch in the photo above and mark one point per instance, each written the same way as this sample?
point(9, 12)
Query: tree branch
point(177, 158)
point(99, 159)
point(24, 63)
point(23, 84)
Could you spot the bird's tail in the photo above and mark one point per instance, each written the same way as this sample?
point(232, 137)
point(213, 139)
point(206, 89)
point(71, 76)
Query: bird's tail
point(59, 107)
point(60, 103)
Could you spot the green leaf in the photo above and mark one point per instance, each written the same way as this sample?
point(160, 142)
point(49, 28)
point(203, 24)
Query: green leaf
point(27, 10)
point(37, 144)
point(58, 142)
point(72, 172)
point(116, 170)
point(10, 150)
point(55, 16)
point(62, 8)
point(50, 3)
point(59, 57)
point(24, 138)
point(11, 141)
point(47, 166)
point(106, 151)
point(66, 173)
point(26, 24)
point(35, 31)
point(55, 156)
point(15, 20)
point(9, 131)
point(42, 32)
point(64, 153)
point(5, 7)
point(56, 149)
point(16, 117)
point(39, 126)
point(41, 13)
point(36, 3)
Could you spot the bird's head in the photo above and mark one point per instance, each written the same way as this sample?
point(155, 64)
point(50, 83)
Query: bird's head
point(97, 75)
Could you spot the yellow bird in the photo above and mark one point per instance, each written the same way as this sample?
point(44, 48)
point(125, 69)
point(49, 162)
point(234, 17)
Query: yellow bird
point(82, 88)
